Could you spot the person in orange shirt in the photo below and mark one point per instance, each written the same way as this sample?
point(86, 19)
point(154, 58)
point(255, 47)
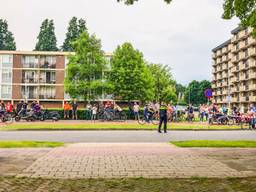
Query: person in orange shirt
point(67, 108)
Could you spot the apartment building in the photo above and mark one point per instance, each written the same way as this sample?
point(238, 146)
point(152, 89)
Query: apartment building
point(234, 70)
point(32, 75)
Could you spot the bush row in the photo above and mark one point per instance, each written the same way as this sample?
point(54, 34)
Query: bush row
point(84, 115)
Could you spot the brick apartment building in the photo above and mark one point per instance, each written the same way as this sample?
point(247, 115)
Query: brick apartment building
point(32, 75)
point(234, 70)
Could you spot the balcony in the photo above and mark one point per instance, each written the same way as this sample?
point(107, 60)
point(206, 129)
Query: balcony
point(242, 78)
point(252, 87)
point(243, 88)
point(252, 51)
point(47, 97)
point(251, 41)
point(47, 81)
point(252, 75)
point(224, 84)
point(225, 75)
point(252, 64)
point(31, 80)
point(252, 98)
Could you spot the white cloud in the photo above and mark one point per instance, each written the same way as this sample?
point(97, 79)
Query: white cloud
point(181, 34)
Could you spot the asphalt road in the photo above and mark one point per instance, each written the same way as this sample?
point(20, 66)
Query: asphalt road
point(125, 136)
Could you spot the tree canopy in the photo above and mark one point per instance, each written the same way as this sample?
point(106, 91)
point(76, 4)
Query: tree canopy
point(84, 72)
point(129, 76)
point(195, 92)
point(6, 37)
point(46, 40)
point(164, 85)
point(75, 28)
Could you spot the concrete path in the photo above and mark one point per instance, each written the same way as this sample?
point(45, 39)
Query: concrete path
point(125, 136)
point(120, 160)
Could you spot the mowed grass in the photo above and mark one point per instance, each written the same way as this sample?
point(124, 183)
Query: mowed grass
point(218, 144)
point(29, 144)
point(127, 185)
point(111, 126)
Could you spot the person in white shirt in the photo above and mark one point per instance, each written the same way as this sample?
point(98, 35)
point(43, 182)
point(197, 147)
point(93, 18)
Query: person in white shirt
point(136, 110)
point(94, 112)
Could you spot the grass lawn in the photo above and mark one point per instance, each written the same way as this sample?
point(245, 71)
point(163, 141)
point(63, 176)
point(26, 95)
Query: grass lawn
point(208, 143)
point(29, 144)
point(109, 126)
point(127, 185)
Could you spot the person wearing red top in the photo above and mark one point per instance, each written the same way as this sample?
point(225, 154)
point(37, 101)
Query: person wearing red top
point(9, 107)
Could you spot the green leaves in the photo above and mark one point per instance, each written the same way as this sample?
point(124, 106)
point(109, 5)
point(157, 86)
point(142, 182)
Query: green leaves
point(195, 92)
point(6, 37)
point(245, 10)
point(84, 71)
point(46, 40)
point(129, 76)
point(75, 28)
point(164, 85)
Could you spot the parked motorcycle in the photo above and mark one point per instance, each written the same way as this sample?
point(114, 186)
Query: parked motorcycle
point(24, 115)
point(51, 115)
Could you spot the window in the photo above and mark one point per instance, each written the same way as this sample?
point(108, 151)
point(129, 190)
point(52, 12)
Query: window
point(48, 62)
point(30, 62)
point(6, 91)
point(7, 61)
point(47, 93)
point(6, 75)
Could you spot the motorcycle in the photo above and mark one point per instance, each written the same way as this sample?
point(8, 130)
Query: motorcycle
point(51, 115)
point(24, 115)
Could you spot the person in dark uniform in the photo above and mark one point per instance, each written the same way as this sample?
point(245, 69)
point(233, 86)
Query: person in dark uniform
point(163, 118)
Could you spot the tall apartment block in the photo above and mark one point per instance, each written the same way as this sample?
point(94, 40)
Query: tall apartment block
point(31, 75)
point(234, 70)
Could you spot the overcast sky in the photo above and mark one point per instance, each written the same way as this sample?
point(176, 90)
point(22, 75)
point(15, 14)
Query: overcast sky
point(180, 35)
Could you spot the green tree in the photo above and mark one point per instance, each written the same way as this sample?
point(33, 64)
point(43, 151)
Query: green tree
point(84, 72)
point(6, 37)
point(129, 76)
point(46, 40)
point(195, 92)
point(75, 29)
point(245, 10)
point(164, 85)
point(180, 91)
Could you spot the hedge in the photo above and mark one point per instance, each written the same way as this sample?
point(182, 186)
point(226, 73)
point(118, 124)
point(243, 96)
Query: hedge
point(83, 114)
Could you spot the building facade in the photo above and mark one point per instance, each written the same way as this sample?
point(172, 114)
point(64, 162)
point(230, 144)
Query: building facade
point(32, 75)
point(234, 70)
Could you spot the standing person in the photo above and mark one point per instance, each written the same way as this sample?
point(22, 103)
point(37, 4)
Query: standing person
point(136, 110)
point(74, 110)
point(163, 118)
point(94, 112)
point(190, 111)
point(252, 113)
point(170, 112)
point(9, 107)
point(33, 105)
point(2, 106)
point(201, 113)
point(19, 106)
point(66, 110)
point(206, 108)
point(88, 111)
point(131, 111)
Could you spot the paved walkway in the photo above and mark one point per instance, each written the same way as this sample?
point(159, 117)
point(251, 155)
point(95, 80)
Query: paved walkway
point(149, 160)
point(125, 136)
